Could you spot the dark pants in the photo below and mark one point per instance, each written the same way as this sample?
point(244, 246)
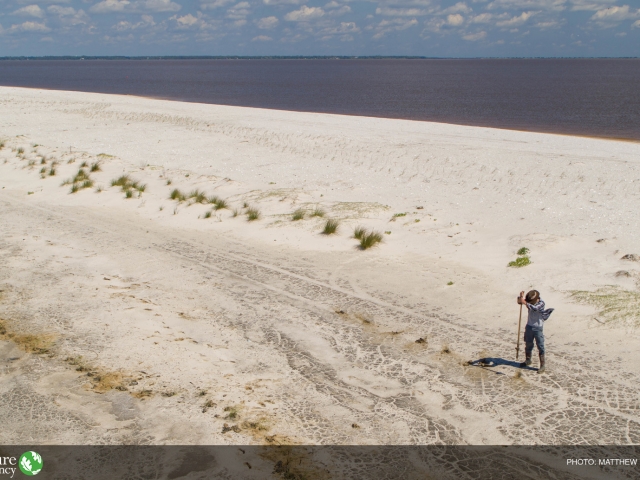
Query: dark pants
point(531, 334)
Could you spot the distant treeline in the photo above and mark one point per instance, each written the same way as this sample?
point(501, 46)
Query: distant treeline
point(215, 57)
point(288, 57)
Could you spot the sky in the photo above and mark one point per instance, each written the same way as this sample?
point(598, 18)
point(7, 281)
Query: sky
point(433, 28)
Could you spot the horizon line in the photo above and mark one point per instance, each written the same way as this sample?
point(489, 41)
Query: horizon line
point(287, 57)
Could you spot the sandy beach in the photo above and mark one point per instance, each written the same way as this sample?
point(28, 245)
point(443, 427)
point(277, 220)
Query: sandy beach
point(157, 321)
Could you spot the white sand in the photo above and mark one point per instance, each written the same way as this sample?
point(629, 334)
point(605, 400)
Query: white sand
point(243, 314)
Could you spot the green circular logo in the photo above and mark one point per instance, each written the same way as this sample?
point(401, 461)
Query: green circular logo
point(30, 463)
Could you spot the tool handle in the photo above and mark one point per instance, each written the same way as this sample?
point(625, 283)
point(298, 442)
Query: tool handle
point(518, 339)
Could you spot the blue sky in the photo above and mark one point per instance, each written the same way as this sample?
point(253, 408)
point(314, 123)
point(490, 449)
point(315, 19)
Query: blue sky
point(468, 28)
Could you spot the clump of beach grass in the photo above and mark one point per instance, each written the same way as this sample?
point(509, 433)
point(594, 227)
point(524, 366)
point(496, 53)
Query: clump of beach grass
point(523, 251)
point(219, 203)
point(95, 167)
point(177, 195)
point(614, 304)
point(298, 214)
point(169, 181)
point(198, 196)
point(84, 164)
point(252, 214)
point(80, 181)
point(359, 232)
point(370, 239)
point(318, 212)
point(207, 214)
point(128, 185)
point(20, 151)
point(330, 226)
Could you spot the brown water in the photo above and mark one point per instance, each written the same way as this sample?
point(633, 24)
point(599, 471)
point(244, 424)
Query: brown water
point(595, 97)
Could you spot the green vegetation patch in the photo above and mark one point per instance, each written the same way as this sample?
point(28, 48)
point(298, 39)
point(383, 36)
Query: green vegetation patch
point(614, 304)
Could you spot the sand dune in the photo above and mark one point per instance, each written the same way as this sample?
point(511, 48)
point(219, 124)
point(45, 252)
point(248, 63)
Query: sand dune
point(149, 320)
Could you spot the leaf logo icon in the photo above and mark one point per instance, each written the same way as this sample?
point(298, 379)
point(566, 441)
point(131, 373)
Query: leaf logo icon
point(30, 463)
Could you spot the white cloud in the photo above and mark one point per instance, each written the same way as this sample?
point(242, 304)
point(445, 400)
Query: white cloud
point(548, 24)
point(30, 11)
point(267, 22)
point(157, 6)
point(482, 18)
point(31, 27)
point(636, 24)
point(615, 14)
point(342, 29)
point(455, 20)
point(395, 24)
point(459, 7)
point(261, 38)
point(61, 11)
point(281, 2)
point(114, 6)
point(340, 11)
point(557, 5)
point(474, 37)
point(187, 20)
point(401, 12)
point(239, 11)
point(215, 4)
point(147, 21)
point(109, 6)
point(593, 5)
point(517, 20)
point(304, 14)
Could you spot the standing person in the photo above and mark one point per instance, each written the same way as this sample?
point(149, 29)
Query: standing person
point(535, 322)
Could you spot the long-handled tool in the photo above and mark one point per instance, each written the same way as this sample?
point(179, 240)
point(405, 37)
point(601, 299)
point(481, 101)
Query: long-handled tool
point(519, 323)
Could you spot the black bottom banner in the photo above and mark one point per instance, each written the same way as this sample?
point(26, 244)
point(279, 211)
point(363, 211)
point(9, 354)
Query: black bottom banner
point(320, 462)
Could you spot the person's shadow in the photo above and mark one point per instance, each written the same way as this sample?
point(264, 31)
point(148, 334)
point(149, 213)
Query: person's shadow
point(489, 362)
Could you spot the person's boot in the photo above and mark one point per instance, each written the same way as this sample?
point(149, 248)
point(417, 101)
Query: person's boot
point(527, 361)
point(541, 369)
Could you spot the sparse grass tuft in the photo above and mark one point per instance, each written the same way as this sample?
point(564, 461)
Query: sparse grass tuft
point(52, 171)
point(121, 181)
point(449, 283)
point(177, 195)
point(396, 215)
point(318, 212)
point(245, 205)
point(20, 151)
point(207, 214)
point(359, 232)
point(74, 188)
point(232, 412)
point(330, 226)
point(84, 164)
point(43, 171)
point(198, 196)
point(445, 349)
point(235, 212)
point(87, 184)
point(43, 161)
point(388, 232)
point(128, 194)
point(2, 145)
point(253, 214)
point(520, 262)
point(615, 305)
point(298, 214)
point(95, 167)
point(523, 251)
point(169, 181)
point(370, 239)
point(99, 189)
point(220, 204)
